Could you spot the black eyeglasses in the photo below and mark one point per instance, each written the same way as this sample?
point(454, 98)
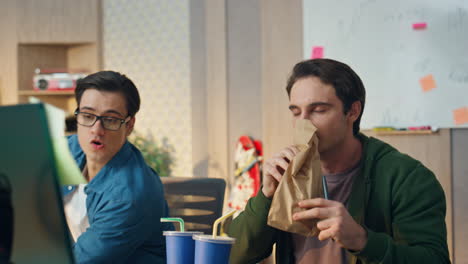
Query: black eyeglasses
point(109, 123)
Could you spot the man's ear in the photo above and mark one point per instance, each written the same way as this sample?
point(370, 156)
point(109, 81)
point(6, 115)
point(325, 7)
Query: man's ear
point(354, 111)
point(130, 124)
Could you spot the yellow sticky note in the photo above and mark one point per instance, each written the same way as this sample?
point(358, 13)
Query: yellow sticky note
point(427, 83)
point(460, 115)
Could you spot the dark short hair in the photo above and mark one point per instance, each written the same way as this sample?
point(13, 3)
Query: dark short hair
point(348, 86)
point(110, 81)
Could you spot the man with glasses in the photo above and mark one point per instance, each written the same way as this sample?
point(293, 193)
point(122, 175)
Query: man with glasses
point(115, 217)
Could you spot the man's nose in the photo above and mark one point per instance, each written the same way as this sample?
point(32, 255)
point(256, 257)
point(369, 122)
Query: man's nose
point(98, 128)
point(304, 115)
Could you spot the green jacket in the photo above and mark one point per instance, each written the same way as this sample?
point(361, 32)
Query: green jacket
point(398, 200)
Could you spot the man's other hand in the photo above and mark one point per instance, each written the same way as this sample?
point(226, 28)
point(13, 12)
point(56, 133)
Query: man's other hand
point(335, 222)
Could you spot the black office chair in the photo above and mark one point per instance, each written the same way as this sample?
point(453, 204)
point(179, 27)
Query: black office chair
point(199, 201)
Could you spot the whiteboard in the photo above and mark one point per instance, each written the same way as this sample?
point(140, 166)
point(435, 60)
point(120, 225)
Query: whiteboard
point(376, 38)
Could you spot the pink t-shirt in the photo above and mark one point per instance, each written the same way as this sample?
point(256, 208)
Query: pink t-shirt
point(310, 249)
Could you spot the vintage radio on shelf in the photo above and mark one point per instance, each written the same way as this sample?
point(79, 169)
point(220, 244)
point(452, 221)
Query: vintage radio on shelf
point(56, 79)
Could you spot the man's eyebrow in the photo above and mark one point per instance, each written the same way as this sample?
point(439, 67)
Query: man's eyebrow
point(291, 107)
point(87, 108)
point(111, 111)
point(319, 104)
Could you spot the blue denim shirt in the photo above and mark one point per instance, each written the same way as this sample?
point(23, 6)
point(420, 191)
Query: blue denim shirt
point(125, 201)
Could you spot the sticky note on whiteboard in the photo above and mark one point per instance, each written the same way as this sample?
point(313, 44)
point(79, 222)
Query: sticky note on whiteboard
point(420, 25)
point(427, 83)
point(317, 52)
point(460, 115)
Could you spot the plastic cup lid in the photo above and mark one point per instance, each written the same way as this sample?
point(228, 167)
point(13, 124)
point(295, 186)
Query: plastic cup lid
point(218, 239)
point(178, 233)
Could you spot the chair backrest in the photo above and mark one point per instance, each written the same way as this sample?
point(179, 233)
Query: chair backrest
point(199, 201)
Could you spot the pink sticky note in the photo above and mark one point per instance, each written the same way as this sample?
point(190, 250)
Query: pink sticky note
point(420, 25)
point(317, 52)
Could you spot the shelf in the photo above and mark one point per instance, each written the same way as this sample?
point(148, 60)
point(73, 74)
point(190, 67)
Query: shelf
point(57, 43)
point(61, 99)
point(45, 93)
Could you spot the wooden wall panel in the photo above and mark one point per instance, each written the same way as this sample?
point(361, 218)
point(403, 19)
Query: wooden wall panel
point(198, 88)
point(58, 21)
point(434, 151)
point(216, 89)
point(244, 74)
point(8, 65)
point(460, 193)
point(85, 57)
point(281, 46)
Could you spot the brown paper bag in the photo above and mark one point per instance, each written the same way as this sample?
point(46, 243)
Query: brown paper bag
point(302, 180)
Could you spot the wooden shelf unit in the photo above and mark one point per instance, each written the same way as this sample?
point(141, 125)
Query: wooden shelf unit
point(47, 39)
point(62, 99)
point(50, 56)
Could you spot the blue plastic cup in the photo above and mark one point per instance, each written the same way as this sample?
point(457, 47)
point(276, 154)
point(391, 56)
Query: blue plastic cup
point(180, 247)
point(212, 250)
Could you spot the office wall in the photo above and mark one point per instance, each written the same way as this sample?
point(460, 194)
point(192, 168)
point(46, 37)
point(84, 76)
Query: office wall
point(149, 40)
point(216, 89)
point(198, 88)
point(243, 73)
point(208, 71)
point(233, 82)
point(251, 47)
point(197, 65)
